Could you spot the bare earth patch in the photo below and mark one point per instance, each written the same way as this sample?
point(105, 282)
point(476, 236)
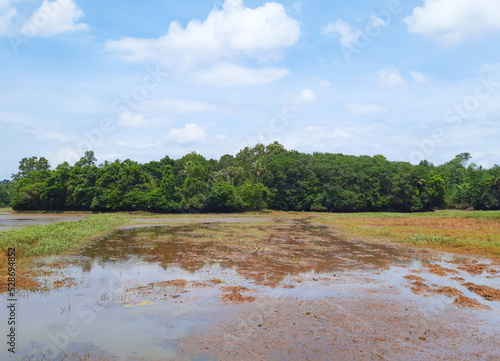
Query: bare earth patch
point(414, 278)
point(447, 291)
point(466, 302)
point(173, 283)
point(474, 269)
point(419, 288)
point(23, 281)
point(216, 281)
point(488, 293)
point(236, 297)
point(439, 270)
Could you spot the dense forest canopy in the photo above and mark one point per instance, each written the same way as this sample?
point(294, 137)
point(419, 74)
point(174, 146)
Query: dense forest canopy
point(256, 178)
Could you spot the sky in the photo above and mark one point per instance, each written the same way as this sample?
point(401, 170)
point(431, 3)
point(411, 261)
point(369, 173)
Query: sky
point(408, 79)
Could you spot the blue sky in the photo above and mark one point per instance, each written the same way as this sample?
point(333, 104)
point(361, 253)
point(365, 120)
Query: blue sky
point(411, 80)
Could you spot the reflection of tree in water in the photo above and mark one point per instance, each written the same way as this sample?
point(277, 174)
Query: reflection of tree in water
point(73, 351)
point(258, 252)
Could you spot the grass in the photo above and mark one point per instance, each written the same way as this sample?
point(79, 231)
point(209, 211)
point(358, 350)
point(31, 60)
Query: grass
point(58, 238)
point(450, 230)
point(5, 209)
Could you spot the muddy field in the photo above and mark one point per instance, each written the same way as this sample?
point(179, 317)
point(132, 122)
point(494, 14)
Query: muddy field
point(283, 289)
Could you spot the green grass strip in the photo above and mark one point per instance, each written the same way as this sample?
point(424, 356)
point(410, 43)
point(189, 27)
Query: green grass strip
point(58, 238)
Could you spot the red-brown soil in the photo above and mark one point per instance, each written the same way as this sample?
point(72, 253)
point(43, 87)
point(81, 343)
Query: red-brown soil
point(488, 293)
point(474, 269)
point(236, 297)
point(419, 288)
point(173, 283)
point(466, 302)
point(439, 270)
point(414, 278)
point(216, 281)
point(25, 280)
point(447, 291)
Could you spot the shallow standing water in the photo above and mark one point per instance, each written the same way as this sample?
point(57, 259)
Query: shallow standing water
point(144, 293)
point(9, 220)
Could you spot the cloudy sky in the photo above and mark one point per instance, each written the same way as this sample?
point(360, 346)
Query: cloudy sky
point(412, 79)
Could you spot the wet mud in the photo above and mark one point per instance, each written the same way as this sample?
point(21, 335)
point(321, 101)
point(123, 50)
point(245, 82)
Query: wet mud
point(488, 293)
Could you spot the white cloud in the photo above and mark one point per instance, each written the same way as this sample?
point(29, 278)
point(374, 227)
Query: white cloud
point(419, 77)
point(54, 17)
point(58, 137)
point(7, 13)
point(364, 109)
point(227, 33)
point(235, 75)
point(131, 120)
point(307, 96)
point(321, 137)
point(297, 6)
point(61, 155)
point(191, 133)
point(314, 128)
point(389, 78)
point(324, 84)
point(180, 106)
point(348, 35)
point(142, 146)
point(340, 134)
point(453, 21)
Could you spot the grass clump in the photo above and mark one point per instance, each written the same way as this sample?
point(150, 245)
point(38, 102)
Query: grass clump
point(58, 238)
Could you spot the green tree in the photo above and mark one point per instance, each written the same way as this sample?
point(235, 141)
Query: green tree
point(5, 192)
point(121, 186)
point(223, 198)
point(88, 159)
point(32, 164)
point(253, 196)
point(167, 197)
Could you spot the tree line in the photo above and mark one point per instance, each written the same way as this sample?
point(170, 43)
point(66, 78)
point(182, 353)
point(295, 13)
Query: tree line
point(256, 178)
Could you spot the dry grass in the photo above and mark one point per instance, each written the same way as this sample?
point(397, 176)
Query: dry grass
point(462, 232)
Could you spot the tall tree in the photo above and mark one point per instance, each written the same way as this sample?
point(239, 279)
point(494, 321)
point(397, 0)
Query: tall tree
point(32, 164)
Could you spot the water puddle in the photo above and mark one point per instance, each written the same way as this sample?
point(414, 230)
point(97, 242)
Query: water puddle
point(136, 293)
point(9, 220)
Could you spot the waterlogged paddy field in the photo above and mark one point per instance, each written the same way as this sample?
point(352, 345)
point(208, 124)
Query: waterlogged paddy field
point(287, 287)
